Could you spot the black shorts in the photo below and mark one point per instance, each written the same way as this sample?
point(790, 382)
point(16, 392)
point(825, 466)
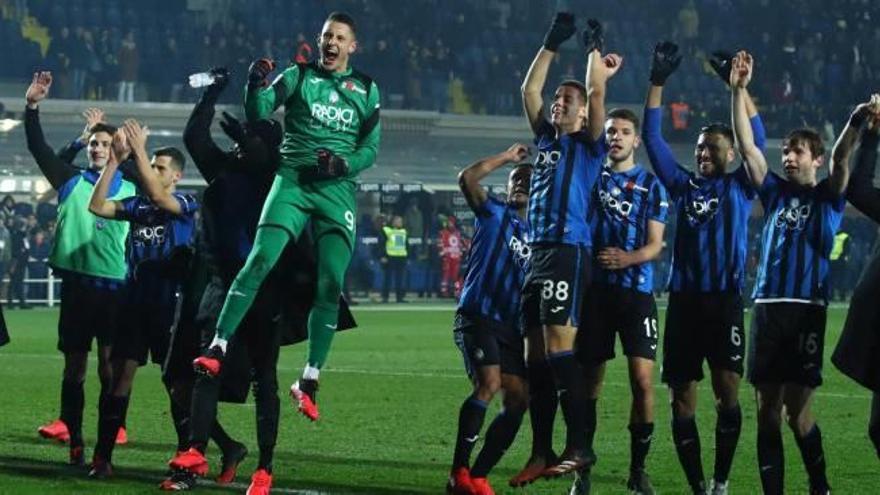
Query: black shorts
point(788, 341)
point(613, 310)
point(487, 343)
point(87, 312)
point(702, 326)
point(554, 286)
point(144, 329)
point(258, 337)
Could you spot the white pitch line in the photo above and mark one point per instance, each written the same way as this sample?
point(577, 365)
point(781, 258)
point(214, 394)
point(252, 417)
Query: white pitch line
point(452, 374)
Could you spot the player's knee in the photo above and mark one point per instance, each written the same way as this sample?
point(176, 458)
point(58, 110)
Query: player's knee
point(516, 403)
point(265, 386)
point(642, 385)
point(487, 387)
point(328, 288)
point(683, 403)
point(769, 417)
point(800, 422)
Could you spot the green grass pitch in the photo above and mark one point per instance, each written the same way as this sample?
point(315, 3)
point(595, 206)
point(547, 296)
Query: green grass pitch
point(389, 404)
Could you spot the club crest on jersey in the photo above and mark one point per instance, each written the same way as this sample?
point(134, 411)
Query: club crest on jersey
point(100, 223)
point(333, 97)
point(794, 216)
point(351, 86)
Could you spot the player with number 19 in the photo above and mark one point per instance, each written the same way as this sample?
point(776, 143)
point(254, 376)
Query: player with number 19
point(629, 217)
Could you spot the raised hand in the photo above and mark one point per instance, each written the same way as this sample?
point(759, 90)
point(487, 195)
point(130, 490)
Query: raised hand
point(259, 71)
point(232, 127)
point(517, 153)
point(594, 36)
point(221, 78)
point(135, 135)
point(721, 61)
point(560, 30)
point(869, 110)
point(119, 148)
point(92, 116)
point(612, 63)
point(664, 62)
point(39, 88)
point(741, 70)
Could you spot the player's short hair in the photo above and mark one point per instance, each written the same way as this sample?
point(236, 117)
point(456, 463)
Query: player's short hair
point(344, 19)
point(624, 114)
point(572, 83)
point(178, 160)
point(101, 127)
point(807, 136)
point(719, 129)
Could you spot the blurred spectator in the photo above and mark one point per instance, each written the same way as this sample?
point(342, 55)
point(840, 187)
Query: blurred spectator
point(38, 267)
point(5, 252)
point(303, 53)
point(18, 270)
point(7, 207)
point(58, 61)
point(394, 258)
point(129, 61)
point(451, 247)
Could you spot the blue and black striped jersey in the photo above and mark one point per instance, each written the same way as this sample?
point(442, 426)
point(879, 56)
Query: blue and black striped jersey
point(623, 204)
point(154, 234)
point(565, 171)
point(796, 241)
point(712, 216)
point(497, 263)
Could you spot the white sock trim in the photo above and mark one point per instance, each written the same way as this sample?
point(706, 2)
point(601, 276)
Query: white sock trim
point(310, 373)
point(219, 342)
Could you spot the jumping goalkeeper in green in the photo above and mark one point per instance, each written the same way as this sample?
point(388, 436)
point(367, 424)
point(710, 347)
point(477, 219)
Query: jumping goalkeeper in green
point(331, 134)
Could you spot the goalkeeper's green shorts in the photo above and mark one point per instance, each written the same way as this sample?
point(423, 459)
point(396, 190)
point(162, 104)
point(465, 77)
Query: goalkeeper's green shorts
point(330, 204)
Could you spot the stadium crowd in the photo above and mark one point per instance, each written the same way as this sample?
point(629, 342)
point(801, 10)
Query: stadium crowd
point(466, 60)
point(558, 266)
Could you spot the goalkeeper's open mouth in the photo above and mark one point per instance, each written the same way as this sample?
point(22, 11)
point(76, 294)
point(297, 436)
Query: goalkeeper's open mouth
point(329, 56)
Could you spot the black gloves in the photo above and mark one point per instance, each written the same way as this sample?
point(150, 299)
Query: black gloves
point(258, 71)
point(665, 61)
point(330, 165)
point(232, 127)
point(221, 79)
point(562, 29)
point(721, 62)
point(594, 36)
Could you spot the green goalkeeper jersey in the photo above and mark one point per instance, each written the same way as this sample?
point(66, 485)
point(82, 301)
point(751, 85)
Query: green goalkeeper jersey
point(337, 111)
